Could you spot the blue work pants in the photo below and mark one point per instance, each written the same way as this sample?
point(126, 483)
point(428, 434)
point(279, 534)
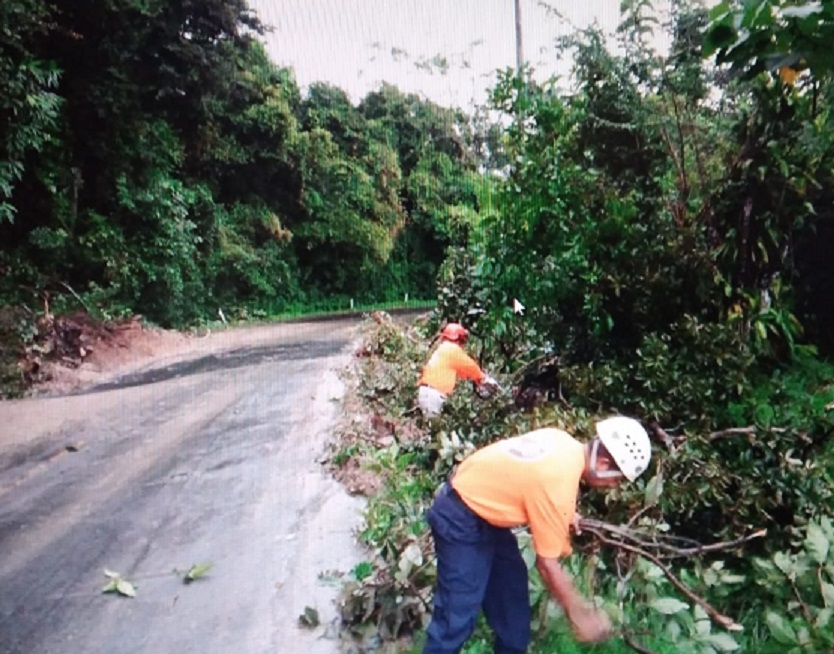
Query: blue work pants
point(478, 567)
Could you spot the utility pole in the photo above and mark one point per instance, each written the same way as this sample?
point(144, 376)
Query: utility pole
point(519, 55)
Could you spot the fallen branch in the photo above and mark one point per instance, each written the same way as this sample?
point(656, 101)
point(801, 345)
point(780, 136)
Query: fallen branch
point(752, 431)
point(640, 539)
point(718, 618)
point(733, 431)
point(662, 436)
point(76, 296)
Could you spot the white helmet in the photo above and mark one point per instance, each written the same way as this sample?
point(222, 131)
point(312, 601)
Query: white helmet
point(627, 443)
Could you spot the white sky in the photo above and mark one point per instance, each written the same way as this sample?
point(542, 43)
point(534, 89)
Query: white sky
point(348, 43)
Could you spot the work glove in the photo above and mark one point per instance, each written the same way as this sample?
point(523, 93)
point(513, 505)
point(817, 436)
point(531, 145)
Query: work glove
point(487, 388)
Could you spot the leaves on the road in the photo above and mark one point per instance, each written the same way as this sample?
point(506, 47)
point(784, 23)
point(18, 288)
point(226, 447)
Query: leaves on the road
point(196, 571)
point(310, 618)
point(118, 585)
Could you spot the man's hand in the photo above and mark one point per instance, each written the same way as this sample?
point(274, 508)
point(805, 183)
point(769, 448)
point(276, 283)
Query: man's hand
point(491, 382)
point(487, 388)
point(590, 625)
point(577, 528)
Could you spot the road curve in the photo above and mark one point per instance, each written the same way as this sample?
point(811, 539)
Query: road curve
point(208, 459)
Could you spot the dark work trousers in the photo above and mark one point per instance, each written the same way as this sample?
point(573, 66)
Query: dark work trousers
point(478, 567)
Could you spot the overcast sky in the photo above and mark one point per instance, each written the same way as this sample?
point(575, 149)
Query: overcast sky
point(357, 44)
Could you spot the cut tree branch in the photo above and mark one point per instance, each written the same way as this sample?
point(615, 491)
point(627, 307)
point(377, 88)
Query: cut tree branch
point(752, 431)
point(645, 541)
point(718, 618)
point(733, 431)
point(76, 296)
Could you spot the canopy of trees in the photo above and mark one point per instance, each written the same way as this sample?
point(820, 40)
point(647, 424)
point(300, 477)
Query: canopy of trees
point(155, 161)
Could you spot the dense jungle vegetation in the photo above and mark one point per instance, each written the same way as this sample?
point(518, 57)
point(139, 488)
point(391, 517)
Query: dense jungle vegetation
point(666, 222)
point(154, 161)
point(666, 218)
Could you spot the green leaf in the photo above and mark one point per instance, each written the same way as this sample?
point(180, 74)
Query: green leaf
point(802, 11)
point(719, 11)
point(310, 618)
point(124, 587)
point(118, 585)
point(197, 571)
point(759, 16)
point(363, 570)
point(816, 543)
point(760, 329)
point(668, 605)
point(654, 489)
point(823, 618)
point(780, 629)
point(722, 642)
point(827, 594)
point(785, 563)
point(703, 627)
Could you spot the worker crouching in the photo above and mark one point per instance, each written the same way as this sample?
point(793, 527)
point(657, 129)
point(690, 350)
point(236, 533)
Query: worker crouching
point(448, 363)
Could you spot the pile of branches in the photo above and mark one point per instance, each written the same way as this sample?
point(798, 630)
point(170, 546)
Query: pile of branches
point(659, 549)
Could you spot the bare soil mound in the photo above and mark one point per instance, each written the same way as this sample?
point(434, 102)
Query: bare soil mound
point(48, 355)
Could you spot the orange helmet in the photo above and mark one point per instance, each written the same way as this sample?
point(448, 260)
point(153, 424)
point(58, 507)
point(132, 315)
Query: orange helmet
point(454, 332)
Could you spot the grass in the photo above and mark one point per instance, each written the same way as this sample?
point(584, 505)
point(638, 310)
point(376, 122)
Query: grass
point(338, 308)
point(333, 308)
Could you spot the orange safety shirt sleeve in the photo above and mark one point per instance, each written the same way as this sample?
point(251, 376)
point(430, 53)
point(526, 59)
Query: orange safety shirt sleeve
point(465, 366)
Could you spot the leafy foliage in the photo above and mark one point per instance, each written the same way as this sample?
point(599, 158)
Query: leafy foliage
point(773, 35)
point(654, 223)
point(803, 581)
point(155, 161)
point(118, 585)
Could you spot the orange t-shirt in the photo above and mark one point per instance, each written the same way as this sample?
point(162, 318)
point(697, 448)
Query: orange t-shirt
point(449, 362)
point(527, 480)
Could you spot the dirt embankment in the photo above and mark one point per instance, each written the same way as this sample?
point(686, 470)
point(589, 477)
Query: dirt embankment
point(58, 355)
point(51, 355)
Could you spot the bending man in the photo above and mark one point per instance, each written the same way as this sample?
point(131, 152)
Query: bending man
point(532, 480)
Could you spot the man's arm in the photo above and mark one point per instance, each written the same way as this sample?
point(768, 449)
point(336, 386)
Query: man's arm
point(590, 625)
point(466, 367)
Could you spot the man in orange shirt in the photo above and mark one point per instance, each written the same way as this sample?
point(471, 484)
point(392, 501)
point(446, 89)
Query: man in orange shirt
point(532, 480)
point(446, 364)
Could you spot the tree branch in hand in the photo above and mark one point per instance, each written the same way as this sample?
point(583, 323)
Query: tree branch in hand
point(718, 618)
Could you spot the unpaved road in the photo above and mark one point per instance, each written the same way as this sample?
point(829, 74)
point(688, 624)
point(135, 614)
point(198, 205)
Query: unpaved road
point(211, 458)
